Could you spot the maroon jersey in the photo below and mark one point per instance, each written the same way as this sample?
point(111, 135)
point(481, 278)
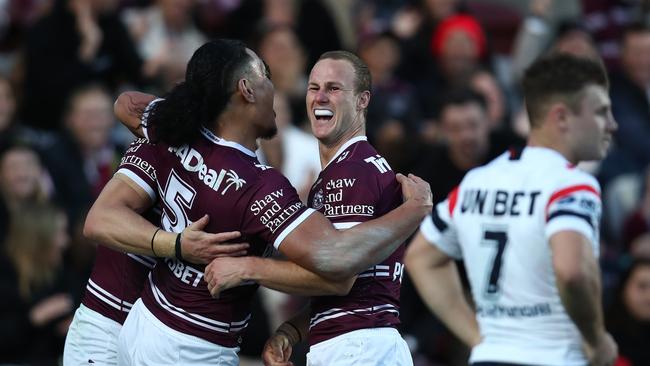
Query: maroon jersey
point(116, 282)
point(356, 186)
point(225, 180)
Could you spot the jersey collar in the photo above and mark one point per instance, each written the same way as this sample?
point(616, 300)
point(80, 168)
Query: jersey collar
point(347, 144)
point(223, 142)
point(545, 153)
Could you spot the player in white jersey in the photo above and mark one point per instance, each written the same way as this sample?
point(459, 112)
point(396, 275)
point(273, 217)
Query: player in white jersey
point(526, 226)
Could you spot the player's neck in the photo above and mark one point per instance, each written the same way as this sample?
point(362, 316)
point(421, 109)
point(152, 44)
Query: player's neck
point(536, 139)
point(328, 150)
point(233, 129)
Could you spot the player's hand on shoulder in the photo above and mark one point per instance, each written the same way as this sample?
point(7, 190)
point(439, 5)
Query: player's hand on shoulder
point(416, 190)
point(200, 247)
point(277, 351)
point(223, 274)
point(604, 352)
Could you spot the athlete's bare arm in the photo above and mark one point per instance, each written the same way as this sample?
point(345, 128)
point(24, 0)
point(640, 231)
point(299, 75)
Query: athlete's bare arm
point(436, 279)
point(280, 275)
point(129, 107)
point(578, 280)
point(114, 220)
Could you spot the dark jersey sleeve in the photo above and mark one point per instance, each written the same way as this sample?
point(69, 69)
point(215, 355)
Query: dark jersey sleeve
point(273, 209)
point(138, 164)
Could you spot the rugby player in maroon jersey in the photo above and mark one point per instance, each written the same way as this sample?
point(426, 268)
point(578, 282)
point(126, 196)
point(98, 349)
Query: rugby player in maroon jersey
point(357, 324)
point(196, 169)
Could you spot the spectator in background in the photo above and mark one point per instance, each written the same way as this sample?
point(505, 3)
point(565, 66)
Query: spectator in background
point(628, 320)
point(21, 181)
point(393, 114)
point(36, 309)
point(312, 21)
point(468, 143)
point(573, 38)
point(78, 42)
point(83, 158)
point(630, 105)
point(459, 47)
point(166, 38)
point(7, 107)
point(10, 128)
point(414, 26)
point(484, 83)
point(281, 49)
point(606, 21)
point(638, 223)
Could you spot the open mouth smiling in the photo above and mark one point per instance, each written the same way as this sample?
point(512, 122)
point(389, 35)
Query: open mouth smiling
point(323, 115)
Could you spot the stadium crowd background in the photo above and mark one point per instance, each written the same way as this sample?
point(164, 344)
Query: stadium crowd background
point(445, 99)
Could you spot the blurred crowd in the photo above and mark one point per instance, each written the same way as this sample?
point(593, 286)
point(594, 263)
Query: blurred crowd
point(445, 99)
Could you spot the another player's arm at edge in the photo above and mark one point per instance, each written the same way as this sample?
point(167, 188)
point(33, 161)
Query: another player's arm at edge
point(279, 275)
point(436, 279)
point(129, 107)
point(578, 280)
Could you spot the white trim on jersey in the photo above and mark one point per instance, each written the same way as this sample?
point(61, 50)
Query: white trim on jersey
point(379, 270)
point(347, 144)
point(197, 319)
point(287, 230)
point(223, 142)
point(139, 181)
point(145, 116)
point(108, 298)
point(144, 260)
point(344, 225)
point(337, 313)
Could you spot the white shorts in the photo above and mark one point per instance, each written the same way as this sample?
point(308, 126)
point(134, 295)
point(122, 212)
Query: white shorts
point(364, 347)
point(92, 338)
point(145, 340)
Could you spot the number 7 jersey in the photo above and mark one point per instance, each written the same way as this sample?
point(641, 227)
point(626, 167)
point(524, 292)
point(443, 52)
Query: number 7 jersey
point(499, 221)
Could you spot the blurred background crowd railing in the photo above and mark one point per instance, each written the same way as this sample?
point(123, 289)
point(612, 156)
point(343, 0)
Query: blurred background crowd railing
point(445, 99)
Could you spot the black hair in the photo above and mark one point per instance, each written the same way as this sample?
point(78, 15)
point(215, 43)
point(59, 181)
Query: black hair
point(210, 79)
point(634, 28)
point(461, 96)
point(559, 77)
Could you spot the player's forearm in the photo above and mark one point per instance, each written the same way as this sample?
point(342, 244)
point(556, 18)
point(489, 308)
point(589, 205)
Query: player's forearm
point(114, 220)
point(123, 229)
point(365, 245)
point(581, 297)
point(297, 328)
point(290, 278)
point(441, 290)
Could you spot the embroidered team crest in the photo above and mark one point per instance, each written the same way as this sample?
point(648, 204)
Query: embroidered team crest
point(317, 202)
point(343, 156)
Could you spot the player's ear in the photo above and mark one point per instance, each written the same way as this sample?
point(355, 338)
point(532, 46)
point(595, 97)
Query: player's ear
point(559, 113)
point(245, 89)
point(363, 100)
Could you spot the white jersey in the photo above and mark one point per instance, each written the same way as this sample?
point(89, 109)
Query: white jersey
point(499, 221)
